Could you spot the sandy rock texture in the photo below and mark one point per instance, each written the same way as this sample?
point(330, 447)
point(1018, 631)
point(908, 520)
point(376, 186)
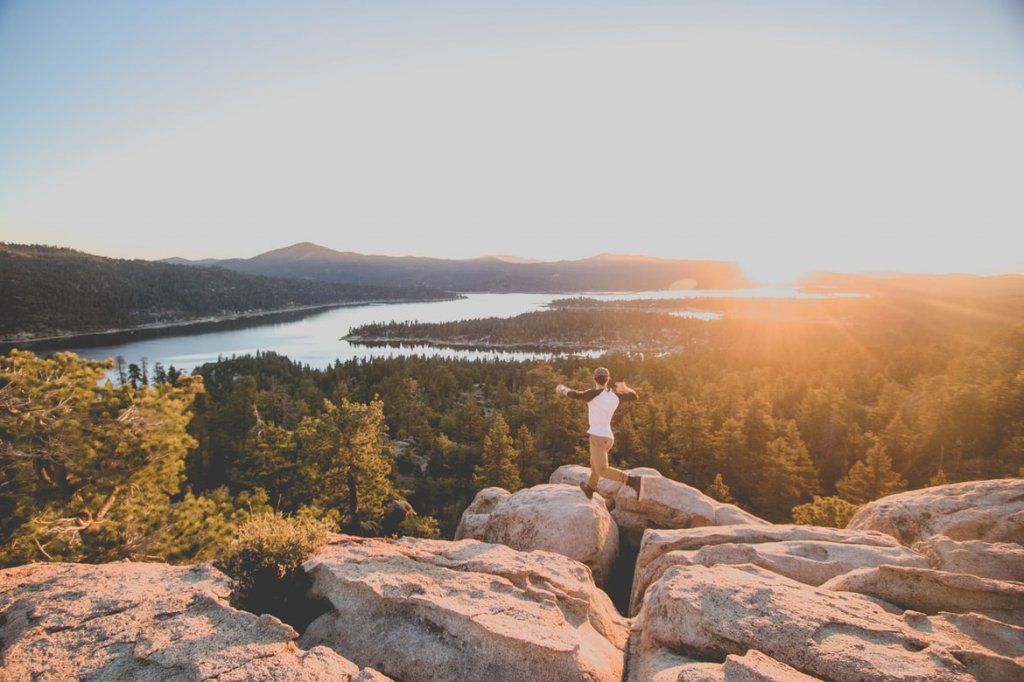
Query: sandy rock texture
point(996, 560)
point(473, 524)
point(713, 612)
point(808, 554)
point(553, 518)
point(466, 610)
point(137, 621)
point(665, 503)
point(934, 592)
point(989, 511)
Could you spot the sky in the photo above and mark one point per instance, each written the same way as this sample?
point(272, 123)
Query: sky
point(787, 136)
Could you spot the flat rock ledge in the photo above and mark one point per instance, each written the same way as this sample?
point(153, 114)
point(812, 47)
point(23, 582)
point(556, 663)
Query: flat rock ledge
point(996, 560)
point(138, 621)
point(808, 554)
point(935, 592)
point(467, 610)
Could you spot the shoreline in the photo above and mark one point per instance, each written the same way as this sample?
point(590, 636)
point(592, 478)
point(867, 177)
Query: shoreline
point(547, 347)
point(158, 328)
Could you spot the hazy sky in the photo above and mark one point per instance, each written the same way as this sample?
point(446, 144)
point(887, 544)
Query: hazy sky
point(845, 135)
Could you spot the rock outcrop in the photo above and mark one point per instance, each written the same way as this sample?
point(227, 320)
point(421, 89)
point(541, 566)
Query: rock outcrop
point(723, 597)
point(990, 511)
point(811, 563)
point(996, 560)
point(808, 554)
point(757, 667)
point(933, 592)
point(711, 613)
point(127, 621)
point(553, 518)
point(991, 650)
point(466, 610)
point(473, 524)
point(665, 503)
point(839, 604)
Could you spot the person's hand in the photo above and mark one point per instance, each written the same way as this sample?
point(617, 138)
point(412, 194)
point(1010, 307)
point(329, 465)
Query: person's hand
point(561, 389)
point(621, 386)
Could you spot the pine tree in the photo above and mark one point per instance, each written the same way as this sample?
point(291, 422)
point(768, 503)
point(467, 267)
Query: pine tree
point(720, 491)
point(689, 442)
point(347, 459)
point(627, 443)
point(529, 459)
point(499, 463)
point(409, 410)
point(939, 478)
point(93, 467)
point(788, 476)
point(466, 423)
point(525, 411)
point(559, 429)
point(731, 454)
point(651, 429)
point(871, 478)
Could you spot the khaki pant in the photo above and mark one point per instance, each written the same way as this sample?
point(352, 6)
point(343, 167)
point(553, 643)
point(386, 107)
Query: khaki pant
point(599, 447)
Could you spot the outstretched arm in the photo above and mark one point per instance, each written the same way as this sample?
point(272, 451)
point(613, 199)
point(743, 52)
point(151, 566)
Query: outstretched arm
point(578, 395)
point(625, 393)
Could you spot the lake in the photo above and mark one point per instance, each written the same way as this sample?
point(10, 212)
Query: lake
point(315, 337)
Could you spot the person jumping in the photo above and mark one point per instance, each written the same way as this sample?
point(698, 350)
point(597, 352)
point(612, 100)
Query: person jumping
point(601, 404)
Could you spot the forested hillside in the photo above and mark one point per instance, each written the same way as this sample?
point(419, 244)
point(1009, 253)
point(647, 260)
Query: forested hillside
point(817, 415)
point(782, 411)
point(50, 291)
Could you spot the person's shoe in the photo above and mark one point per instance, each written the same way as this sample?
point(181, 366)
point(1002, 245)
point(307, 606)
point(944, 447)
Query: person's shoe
point(587, 490)
point(637, 484)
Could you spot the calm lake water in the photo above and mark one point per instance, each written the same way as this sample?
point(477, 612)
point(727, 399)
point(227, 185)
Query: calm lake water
point(315, 338)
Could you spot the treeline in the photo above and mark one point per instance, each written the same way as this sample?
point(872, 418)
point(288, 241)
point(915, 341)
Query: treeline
point(778, 412)
point(768, 413)
point(56, 291)
point(901, 308)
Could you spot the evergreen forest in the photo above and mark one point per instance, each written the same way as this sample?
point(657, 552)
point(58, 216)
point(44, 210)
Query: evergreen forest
point(797, 415)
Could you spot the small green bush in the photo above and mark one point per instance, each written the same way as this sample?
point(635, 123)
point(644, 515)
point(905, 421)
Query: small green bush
point(420, 527)
point(833, 512)
point(265, 559)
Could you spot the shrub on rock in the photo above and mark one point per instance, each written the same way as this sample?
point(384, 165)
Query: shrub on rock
point(264, 562)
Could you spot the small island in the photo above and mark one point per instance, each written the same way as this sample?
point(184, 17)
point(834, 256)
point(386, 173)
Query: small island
point(559, 330)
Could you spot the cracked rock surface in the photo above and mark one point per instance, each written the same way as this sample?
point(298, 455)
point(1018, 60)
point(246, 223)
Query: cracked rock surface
point(710, 613)
point(143, 621)
point(989, 511)
point(466, 610)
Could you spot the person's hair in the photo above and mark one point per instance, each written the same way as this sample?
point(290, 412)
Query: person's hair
point(602, 375)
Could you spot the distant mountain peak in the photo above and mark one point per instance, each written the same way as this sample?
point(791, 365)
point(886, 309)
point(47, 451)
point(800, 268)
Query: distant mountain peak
point(504, 258)
point(299, 251)
point(500, 272)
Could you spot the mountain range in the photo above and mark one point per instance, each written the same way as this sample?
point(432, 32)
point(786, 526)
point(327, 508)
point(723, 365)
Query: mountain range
point(605, 272)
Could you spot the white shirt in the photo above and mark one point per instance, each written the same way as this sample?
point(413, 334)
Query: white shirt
point(600, 409)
